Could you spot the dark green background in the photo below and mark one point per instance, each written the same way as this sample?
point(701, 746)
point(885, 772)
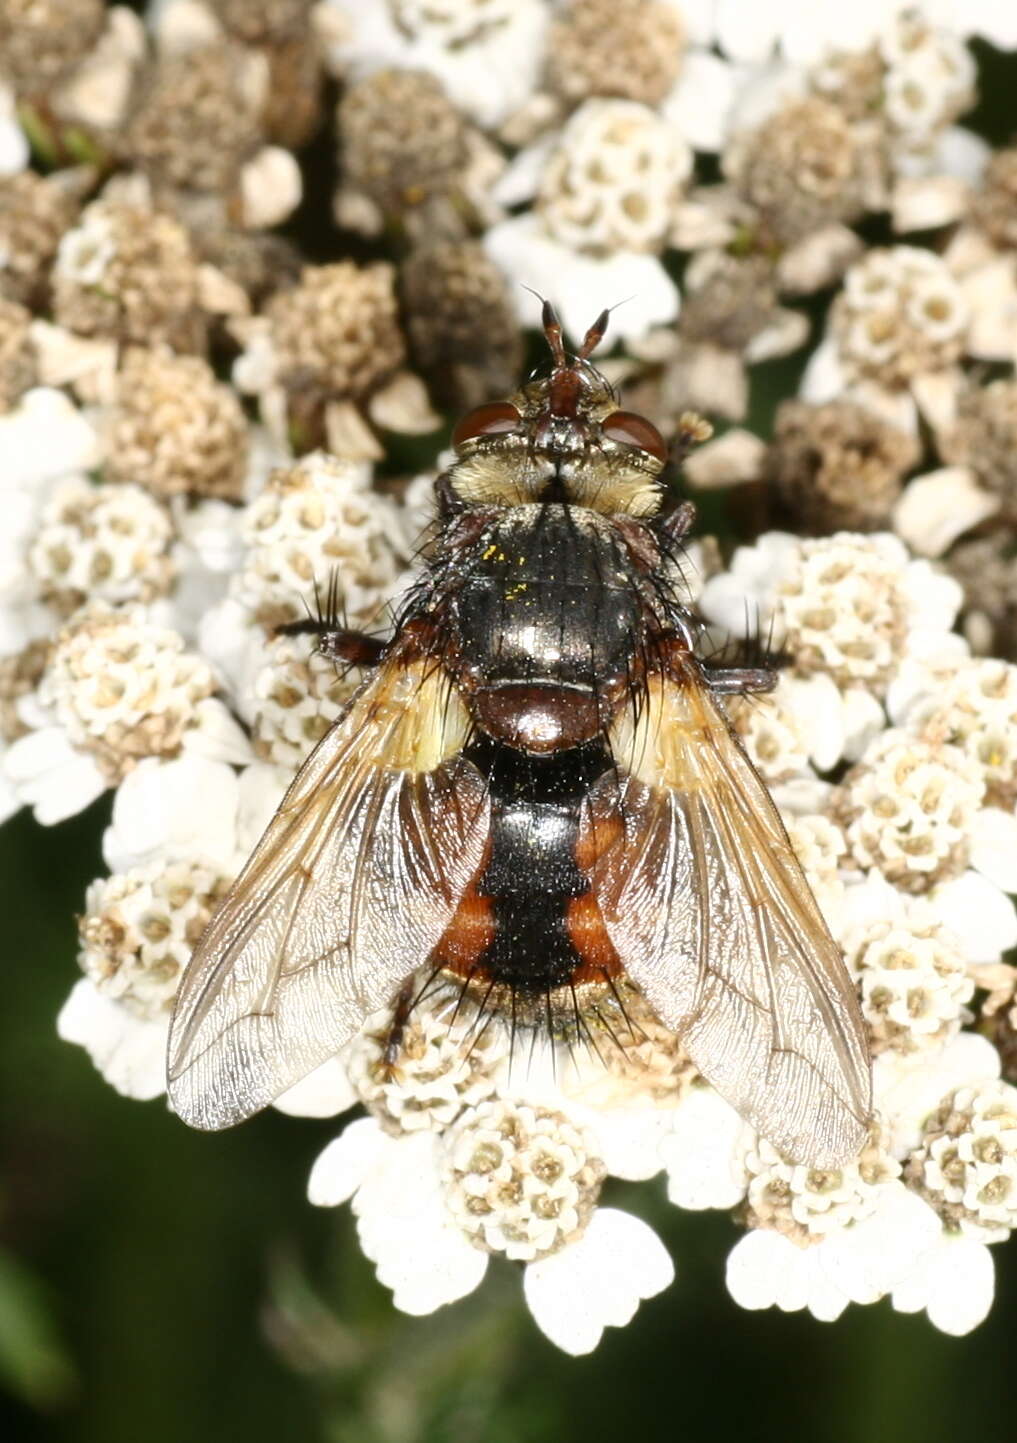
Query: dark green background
point(157, 1285)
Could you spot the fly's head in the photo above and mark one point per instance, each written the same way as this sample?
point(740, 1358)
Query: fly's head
point(561, 437)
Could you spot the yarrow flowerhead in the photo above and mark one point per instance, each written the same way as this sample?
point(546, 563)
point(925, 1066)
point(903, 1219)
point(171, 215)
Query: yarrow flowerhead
point(313, 519)
point(108, 543)
point(804, 168)
point(438, 1072)
point(139, 929)
point(806, 1204)
point(129, 274)
point(901, 314)
point(632, 50)
point(404, 142)
point(123, 687)
point(175, 429)
point(914, 982)
point(522, 1181)
point(614, 178)
point(908, 808)
point(839, 466)
point(297, 697)
point(198, 471)
point(966, 1166)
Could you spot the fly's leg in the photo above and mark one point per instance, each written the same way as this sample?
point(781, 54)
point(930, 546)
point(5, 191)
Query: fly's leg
point(338, 643)
point(405, 999)
point(741, 680)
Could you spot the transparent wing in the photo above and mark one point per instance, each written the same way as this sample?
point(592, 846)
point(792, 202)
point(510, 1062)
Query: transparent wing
point(347, 892)
point(711, 914)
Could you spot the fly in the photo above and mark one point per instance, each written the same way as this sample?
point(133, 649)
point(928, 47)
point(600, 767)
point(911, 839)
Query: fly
point(535, 795)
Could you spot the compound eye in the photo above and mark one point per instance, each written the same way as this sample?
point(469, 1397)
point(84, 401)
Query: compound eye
point(494, 419)
point(633, 430)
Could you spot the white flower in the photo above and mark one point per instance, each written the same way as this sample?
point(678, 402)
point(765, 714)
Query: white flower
point(702, 99)
point(599, 1282)
point(139, 929)
point(486, 53)
point(87, 249)
point(271, 187)
point(317, 517)
point(613, 178)
point(129, 1051)
point(970, 702)
point(136, 937)
point(181, 830)
point(803, 31)
point(952, 1281)
point(800, 722)
point(406, 1228)
point(850, 607)
point(322, 1093)
point(929, 80)
point(116, 688)
point(936, 508)
point(177, 809)
point(14, 147)
point(908, 1087)
point(704, 1152)
point(298, 694)
point(101, 542)
point(966, 1166)
point(464, 1155)
point(859, 1263)
point(914, 982)
point(45, 436)
point(908, 807)
point(975, 908)
point(51, 775)
point(821, 847)
point(440, 1070)
point(520, 1180)
point(577, 284)
point(896, 332)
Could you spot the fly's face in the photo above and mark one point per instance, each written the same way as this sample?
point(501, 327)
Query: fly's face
point(561, 437)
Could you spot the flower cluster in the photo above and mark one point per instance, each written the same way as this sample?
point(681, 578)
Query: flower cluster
point(207, 434)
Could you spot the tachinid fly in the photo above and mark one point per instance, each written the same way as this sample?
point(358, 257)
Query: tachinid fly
point(535, 794)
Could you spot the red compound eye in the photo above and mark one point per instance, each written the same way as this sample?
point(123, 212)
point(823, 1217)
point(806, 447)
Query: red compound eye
point(633, 430)
point(493, 419)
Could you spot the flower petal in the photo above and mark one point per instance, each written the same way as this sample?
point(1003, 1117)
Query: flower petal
point(217, 735)
point(322, 1093)
point(341, 1168)
point(700, 104)
point(578, 283)
point(43, 437)
point(597, 1282)
point(182, 808)
point(866, 1259)
point(766, 1270)
point(129, 1051)
point(629, 1138)
point(994, 847)
point(908, 1087)
point(407, 1231)
point(51, 776)
point(953, 1281)
point(702, 1153)
point(983, 917)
